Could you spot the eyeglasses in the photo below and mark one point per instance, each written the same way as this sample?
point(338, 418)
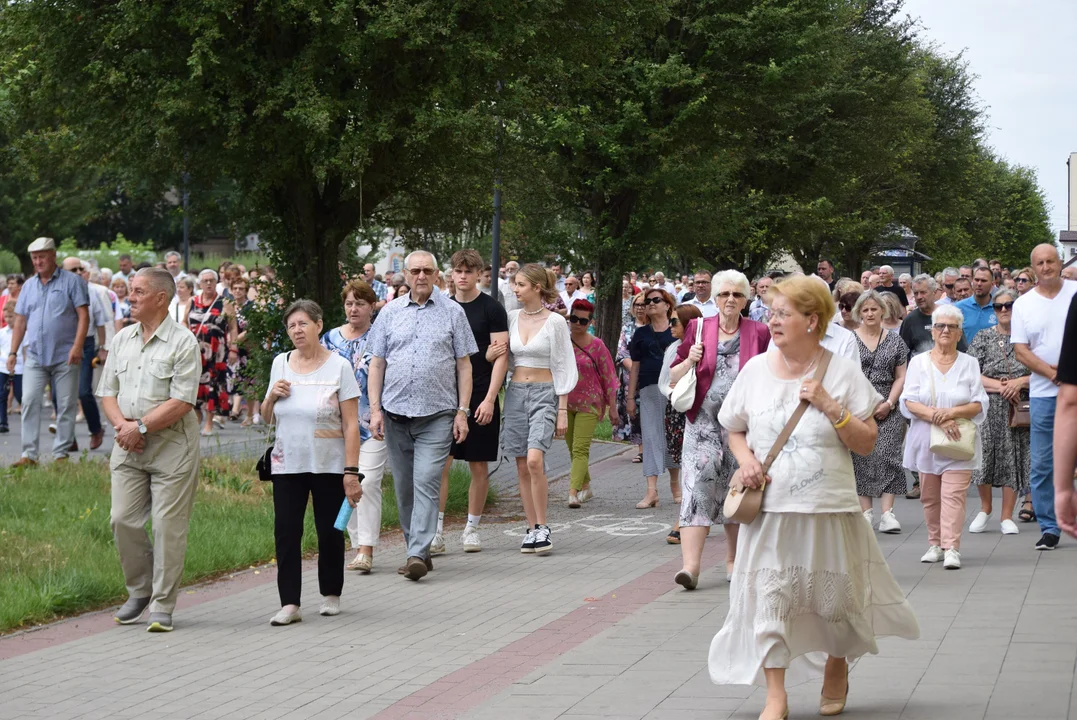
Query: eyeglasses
point(638, 306)
point(946, 327)
point(949, 286)
point(781, 314)
point(726, 294)
point(653, 301)
point(576, 320)
point(415, 272)
point(1002, 306)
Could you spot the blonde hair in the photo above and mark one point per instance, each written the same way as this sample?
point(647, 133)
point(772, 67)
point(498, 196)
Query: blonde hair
point(542, 279)
point(807, 296)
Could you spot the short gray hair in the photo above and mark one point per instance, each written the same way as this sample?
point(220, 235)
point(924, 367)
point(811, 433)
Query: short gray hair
point(924, 278)
point(312, 309)
point(173, 253)
point(1009, 292)
point(160, 280)
point(947, 311)
point(876, 297)
point(413, 253)
point(887, 268)
point(730, 277)
point(905, 276)
point(951, 272)
point(186, 280)
point(209, 271)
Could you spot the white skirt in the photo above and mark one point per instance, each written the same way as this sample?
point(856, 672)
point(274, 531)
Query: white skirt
point(806, 586)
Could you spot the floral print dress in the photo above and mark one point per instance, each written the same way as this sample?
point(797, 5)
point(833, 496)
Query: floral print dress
point(209, 323)
point(1007, 459)
point(629, 430)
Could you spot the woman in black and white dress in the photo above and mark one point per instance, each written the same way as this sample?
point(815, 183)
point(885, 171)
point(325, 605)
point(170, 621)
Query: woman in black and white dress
point(883, 356)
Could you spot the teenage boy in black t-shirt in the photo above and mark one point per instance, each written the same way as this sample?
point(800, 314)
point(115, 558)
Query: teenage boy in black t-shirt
point(489, 322)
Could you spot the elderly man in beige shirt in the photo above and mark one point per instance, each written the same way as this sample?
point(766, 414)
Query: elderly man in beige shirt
point(148, 388)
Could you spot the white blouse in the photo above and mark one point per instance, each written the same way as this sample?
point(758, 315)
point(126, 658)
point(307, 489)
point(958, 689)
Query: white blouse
point(549, 349)
point(960, 385)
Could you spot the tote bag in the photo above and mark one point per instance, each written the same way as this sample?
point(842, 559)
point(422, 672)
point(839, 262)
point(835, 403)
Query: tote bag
point(684, 392)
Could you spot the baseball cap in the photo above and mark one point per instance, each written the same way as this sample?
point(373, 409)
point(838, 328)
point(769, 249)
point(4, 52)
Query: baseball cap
point(42, 244)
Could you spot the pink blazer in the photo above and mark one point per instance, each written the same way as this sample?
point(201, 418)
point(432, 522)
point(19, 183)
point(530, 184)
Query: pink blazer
point(754, 339)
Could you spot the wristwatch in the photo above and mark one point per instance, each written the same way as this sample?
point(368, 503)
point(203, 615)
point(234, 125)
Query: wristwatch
point(141, 426)
point(465, 411)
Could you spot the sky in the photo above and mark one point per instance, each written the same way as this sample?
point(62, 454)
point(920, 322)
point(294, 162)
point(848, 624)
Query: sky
point(1028, 85)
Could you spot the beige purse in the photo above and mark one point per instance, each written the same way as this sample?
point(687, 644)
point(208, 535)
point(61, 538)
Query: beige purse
point(743, 504)
point(964, 448)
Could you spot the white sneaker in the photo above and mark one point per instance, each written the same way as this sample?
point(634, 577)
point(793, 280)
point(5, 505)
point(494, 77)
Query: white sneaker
point(979, 523)
point(286, 618)
point(330, 606)
point(471, 541)
point(953, 560)
point(934, 554)
point(258, 419)
point(1009, 527)
point(584, 495)
point(438, 546)
point(869, 515)
point(888, 523)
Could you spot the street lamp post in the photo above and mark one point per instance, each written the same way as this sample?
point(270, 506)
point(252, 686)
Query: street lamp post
point(495, 260)
point(186, 224)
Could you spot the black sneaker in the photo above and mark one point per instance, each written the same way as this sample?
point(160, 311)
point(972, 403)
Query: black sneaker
point(542, 540)
point(528, 545)
point(1047, 542)
point(4, 429)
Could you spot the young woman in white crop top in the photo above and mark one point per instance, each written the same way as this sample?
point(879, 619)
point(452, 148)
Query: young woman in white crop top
point(544, 372)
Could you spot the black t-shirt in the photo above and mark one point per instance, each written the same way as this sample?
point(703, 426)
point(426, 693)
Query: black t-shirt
point(916, 332)
point(1067, 360)
point(897, 290)
point(485, 316)
point(648, 348)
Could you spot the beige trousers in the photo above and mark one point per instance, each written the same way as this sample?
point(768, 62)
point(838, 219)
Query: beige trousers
point(157, 484)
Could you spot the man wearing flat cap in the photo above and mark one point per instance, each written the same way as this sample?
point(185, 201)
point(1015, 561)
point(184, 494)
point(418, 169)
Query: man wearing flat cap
point(51, 320)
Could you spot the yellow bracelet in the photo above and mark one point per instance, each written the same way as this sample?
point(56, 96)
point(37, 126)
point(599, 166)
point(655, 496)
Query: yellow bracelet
point(846, 418)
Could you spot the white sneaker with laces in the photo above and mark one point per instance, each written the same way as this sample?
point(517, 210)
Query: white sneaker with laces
point(1009, 527)
point(888, 523)
point(953, 560)
point(528, 545)
point(330, 605)
point(438, 546)
point(979, 523)
point(470, 539)
point(934, 554)
point(869, 515)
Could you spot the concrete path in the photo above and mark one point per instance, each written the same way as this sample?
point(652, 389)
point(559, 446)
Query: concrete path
point(597, 629)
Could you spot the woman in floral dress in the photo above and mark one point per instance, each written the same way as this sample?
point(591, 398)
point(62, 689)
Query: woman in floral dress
point(212, 319)
point(1006, 458)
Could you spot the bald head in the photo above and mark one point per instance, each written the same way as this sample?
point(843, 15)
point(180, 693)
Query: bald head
point(1047, 265)
point(72, 264)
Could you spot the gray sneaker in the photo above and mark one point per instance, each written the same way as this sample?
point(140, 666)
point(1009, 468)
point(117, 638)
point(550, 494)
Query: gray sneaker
point(160, 622)
point(131, 611)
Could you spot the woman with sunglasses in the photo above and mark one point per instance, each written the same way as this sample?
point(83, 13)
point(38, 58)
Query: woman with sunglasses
point(647, 349)
point(629, 429)
point(941, 387)
point(1006, 458)
point(1024, 280)
point(595, 392)
point(729, 341)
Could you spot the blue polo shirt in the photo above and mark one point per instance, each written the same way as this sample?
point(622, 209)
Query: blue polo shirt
point(976, 318)
point(51, 320)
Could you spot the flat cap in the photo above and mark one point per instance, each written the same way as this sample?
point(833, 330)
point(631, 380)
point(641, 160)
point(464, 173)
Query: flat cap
point(42, 244)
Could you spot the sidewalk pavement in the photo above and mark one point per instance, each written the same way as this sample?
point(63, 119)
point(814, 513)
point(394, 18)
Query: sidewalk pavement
point(596, 629)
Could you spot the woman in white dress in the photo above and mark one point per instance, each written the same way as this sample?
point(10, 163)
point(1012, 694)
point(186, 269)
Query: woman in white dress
point(941, 387)
point(543, 367)
point(811, 588)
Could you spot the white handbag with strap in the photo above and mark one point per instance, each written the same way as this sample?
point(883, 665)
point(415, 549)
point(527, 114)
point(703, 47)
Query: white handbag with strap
point(684, 392)
point(964, 448)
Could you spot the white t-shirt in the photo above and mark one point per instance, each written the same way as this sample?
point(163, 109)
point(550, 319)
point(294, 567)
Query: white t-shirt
point(310, 434)
point(814, 471)
point(5, 350)
point(1040, 323)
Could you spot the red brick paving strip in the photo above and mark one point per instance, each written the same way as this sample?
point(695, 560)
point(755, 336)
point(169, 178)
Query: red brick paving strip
point(466, 688)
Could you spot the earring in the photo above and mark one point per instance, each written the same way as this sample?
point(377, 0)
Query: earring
point(809, 329)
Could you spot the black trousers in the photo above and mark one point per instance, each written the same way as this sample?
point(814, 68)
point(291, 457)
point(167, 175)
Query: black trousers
point(289, 506)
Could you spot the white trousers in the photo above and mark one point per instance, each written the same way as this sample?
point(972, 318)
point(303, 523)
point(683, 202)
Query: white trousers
point(364, 526)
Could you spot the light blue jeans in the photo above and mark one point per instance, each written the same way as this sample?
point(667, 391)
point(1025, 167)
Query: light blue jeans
point(418, 449)
point(64, 379)
point(1042, 412)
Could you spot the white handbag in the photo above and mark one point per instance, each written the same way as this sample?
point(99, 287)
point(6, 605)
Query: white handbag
point(684, 392)
point(964, 448)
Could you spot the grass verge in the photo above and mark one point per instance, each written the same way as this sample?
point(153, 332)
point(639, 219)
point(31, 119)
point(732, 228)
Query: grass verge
point(56, 550)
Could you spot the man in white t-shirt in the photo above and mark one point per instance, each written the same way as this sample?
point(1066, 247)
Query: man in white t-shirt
point(1039, 323)
point(572, 292)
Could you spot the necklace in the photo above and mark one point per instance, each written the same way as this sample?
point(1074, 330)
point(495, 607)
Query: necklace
point(729, 332)
point(806, 370)
point(532, 312)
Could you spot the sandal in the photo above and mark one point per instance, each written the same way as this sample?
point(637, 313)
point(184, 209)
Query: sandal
point(638, 459)
point(1027, 514)
point(674, 537)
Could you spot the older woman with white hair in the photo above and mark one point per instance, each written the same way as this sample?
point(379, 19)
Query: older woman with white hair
point(941, 387)
point(883, 355)
point(728, 342)
point(212, 319)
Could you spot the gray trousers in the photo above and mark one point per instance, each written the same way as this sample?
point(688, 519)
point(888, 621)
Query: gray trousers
point(652, 421)
point(418, 449)
point(64, 379)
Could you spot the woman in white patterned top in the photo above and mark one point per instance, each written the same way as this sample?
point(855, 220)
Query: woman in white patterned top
point(314, 400)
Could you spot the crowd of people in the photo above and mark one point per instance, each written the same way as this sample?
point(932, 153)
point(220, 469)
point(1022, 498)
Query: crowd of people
point(953, 378)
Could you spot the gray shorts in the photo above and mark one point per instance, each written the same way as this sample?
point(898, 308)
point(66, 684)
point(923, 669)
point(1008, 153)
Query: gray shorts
point(530, 416)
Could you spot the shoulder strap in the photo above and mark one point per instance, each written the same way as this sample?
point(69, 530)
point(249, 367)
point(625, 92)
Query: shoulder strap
point(699, 330)
point(791, 425)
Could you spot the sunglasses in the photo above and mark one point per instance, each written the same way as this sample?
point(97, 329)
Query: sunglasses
point(674, 322)
point(1002, 306)
point(846, 308)
point(726, 294)
point(1022, 280)
point(653, 301)
point(949, 286)
point(578, 320)
point(944, 327)
point(421, 271)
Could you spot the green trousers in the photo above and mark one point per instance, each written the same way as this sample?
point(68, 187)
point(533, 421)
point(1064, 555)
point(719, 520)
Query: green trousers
point(581, 427)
